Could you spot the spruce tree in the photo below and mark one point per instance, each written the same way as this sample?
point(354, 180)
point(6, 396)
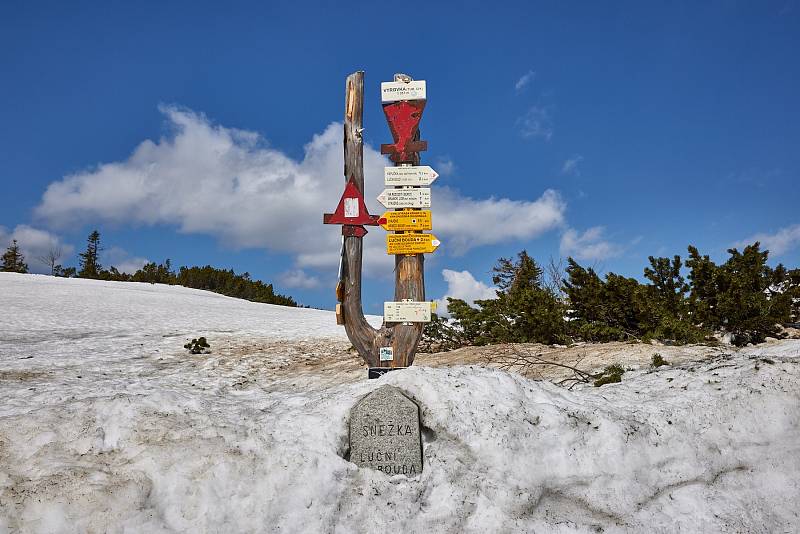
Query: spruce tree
point(668, 285)
point(89, 262)
point(523, 312)
point(703, 279)
point(744, 296)
point(13, 260)
point(594, 316)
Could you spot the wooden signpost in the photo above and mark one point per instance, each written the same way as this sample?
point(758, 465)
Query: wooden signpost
point(394, 344)
point(417, 197)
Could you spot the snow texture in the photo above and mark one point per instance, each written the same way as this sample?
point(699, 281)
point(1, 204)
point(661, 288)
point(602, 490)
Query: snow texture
point(108, 425)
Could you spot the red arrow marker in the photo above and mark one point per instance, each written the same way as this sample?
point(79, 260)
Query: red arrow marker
point(403, 118)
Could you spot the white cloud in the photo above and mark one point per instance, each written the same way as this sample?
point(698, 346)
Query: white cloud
point(589, 245)
point(778, 243)
point(298, 278)
point(35, 244)
point(469, 223)
point(208, 179)
point(536, 122)
point(571, 165)
point(524, 81)
point(462, 285)
point(122, 260)
point(445, 166)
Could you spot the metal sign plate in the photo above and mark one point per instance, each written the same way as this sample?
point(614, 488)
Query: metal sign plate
point(418, 197)
point(396, 91)
point(406, 220)
point(411, 243)
point(418, 175)
point(407, 312)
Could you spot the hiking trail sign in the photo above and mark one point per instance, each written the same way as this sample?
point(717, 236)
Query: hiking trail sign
point(411, 243)
point(406, 311)
point(416, 197)
point(403, 118)
point(400, 176)
point(394, 344)
point(406, 220)
point(351, 212)
point(395, 91)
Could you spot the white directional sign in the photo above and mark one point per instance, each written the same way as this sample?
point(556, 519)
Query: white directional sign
point(394, 91)
point(419, 197)
point(398, 176)
point(407, 312)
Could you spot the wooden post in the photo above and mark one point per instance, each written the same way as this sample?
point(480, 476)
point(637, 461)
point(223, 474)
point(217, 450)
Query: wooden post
point(409, 279)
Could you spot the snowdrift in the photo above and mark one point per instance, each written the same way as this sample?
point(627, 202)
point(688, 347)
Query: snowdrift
point(108, 425)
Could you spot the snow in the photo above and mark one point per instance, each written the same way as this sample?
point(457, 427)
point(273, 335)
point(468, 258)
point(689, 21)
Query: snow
point(109, 425)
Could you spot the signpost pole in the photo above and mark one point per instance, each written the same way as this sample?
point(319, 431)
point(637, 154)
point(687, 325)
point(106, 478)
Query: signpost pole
point(403, 338)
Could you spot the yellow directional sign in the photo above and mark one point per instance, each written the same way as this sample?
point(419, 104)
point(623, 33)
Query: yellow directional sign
point(406, 220)
point(411, 243)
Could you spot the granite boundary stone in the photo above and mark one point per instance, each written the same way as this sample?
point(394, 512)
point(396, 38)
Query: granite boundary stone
point(385, 433)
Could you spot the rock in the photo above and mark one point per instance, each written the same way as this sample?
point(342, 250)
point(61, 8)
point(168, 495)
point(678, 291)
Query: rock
point(385, 433)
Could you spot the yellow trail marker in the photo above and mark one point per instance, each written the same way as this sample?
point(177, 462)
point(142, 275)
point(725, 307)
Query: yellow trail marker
point(411, 243)
point(406, 220)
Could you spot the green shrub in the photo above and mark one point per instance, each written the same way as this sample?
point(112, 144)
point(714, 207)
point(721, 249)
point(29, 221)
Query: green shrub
point(658, 361)
point(198, 346)
point(611, 374)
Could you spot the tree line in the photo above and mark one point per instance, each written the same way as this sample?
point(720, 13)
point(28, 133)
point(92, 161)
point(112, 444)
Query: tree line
point(225, 282)
point(743, 298)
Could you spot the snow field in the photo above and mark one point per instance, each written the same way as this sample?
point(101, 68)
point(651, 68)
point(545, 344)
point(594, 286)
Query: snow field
point(108, 425)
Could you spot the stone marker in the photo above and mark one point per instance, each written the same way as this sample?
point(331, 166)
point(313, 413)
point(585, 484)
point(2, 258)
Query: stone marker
point(385, 433)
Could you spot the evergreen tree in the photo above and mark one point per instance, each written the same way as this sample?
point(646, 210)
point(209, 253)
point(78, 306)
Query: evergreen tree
point(523, 312)
point(155, 274)
point(65, 272)
point(666, 306)
point(621, 308)
point(227, 283)
point(13, 260)
point(747, 306)
point(704, 292)
point(744, 297)
point(467, 321)
point(792, 292)
point(113, 274)
point(598, 312)
point(669, 287)
point(89, 262)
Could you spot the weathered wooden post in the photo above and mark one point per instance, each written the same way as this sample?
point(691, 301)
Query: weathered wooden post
point(394, 344)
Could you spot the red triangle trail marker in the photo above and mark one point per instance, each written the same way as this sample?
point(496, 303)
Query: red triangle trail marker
point(351, 212)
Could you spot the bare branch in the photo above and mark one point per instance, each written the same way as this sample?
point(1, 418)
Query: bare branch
point(514, 358)
point(51, 257)
point(554, 276)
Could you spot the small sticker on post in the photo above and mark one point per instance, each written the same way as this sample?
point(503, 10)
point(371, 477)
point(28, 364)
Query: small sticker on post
point(386, 354)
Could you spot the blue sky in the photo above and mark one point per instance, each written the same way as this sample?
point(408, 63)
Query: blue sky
point(209, 133)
